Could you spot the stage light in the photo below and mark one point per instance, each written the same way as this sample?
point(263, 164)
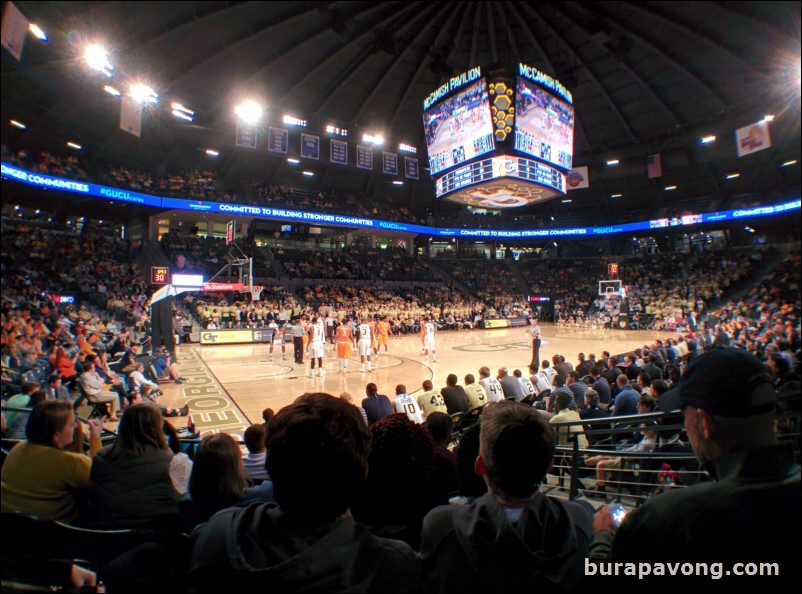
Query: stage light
point(212, 153)
point(293, 161)
point(708, 139)
point(406, 148)
point(38, 33)
point(669, 188)
point(308, 173)
point(612, 162)
point(616, 195)
point(249, 112)
point(375, 140)
point(786, 164)
point(768, 117)
point(182, 116)
point(733, 176)
point(142, 93)
point(336, 131)
point(293, 121)
point(18, 124)
point(112, 91)
point(568, 201)
point(98, 59)
point(398, 183)
point(75, 146)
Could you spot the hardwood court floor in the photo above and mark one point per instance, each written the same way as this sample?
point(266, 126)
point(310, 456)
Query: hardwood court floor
point(245, 376)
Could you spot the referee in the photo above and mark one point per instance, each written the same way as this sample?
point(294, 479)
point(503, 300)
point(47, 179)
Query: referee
point(534, 333)
point(298, 332)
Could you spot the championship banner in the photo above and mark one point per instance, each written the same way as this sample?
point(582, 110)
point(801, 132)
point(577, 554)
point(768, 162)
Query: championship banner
point(246, 135)
point(310, 147)
point(752, 139)
point(364, 157)
point(411, 170)
point(577, 178)
point(14, 30)
point(131, 116)
point(389, 163)
point(278, 140)
point(223, 287)
point(338, 152)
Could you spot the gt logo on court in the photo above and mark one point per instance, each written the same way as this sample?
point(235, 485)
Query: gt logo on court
point(490, 348)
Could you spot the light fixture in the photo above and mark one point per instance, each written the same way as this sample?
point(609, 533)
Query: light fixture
point(567, 201)
point(768, 117)
point(293, 161)
point(75, 146)
point(733, 176)
point(669, 188)
point(142, 93)
point(98, 59)
point(375, 140)
point(249, 112)
point(406, 148)
point(786, 164)
point(182, 112)
point(398, 183)
point(212, 153)
point(112, 91)
point(336, 130)
point(616, 195)
point(708, 139)
point(293, 121)
point(308, 173)
point(612, 162)
point(38, 33)
point(18, 124)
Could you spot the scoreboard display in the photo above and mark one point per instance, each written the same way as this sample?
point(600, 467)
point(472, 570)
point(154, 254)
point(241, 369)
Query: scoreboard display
point(520, 169)
point(159, 275)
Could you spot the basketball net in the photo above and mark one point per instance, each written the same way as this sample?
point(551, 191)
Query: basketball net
point(256, 292)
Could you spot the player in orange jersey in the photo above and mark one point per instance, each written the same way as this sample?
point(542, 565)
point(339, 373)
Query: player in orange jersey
point(344, 338)
point(382, 334)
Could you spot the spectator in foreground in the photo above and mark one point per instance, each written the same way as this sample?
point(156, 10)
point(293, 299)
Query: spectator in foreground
point(514, 538)
point(318, 444)
point(255, 439)
point(39, 477)
point(728, 401)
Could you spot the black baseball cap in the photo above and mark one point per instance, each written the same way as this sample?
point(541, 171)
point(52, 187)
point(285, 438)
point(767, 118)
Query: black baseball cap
point(724, 382)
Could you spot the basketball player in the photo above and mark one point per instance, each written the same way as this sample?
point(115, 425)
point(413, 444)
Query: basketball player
point(431, 400)
point(404, 403)
point(476, 393)
point(317, 342)
point(277, 339)
point(364, 344)
point(382, 334)
point(526, 383)
point(491, 385)
point(427, 332)
point(345, 337)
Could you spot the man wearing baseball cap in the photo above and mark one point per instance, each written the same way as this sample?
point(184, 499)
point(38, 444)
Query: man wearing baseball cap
point(750, 511)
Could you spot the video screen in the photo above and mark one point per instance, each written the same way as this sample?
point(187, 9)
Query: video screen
point(459, 128)
point(544, 125)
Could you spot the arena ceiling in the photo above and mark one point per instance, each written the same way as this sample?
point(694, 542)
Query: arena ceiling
point(647, 77)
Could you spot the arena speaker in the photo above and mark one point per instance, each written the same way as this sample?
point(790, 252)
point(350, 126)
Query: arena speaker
point(162, 324)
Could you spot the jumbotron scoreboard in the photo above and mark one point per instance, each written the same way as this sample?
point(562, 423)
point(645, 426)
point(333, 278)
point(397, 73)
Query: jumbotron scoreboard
point(504, 140)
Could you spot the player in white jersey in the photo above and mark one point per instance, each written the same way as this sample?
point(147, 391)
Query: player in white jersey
point(404, 403)
point(526, 383)
point(317, 342)
point(492, 386)
point(364, 344)
point(540, 380)
point(277, 339)
point(427, 332)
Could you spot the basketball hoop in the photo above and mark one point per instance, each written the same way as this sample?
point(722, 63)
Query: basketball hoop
point(256, 292)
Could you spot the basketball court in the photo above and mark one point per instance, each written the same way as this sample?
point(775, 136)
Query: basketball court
point(228, 387)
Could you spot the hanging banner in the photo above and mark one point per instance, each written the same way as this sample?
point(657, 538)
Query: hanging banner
point(246, 135)
point(577, 178)
point(753, 138)
point(14, 30)
point(411, 168)
point(310, 147)
point(278, 140)
point(339, 152)
point(364, 157)
point(389, 163)
point(131, 116)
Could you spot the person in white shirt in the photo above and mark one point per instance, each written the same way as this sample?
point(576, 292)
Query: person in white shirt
point(255, 438)
point(427, 332)
point(525, 382)
point(317, 343)
point(533, 333)
point(138, 376)
point(277, 339)
point(406, 404)
point(491, 385)
point(364, 344)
